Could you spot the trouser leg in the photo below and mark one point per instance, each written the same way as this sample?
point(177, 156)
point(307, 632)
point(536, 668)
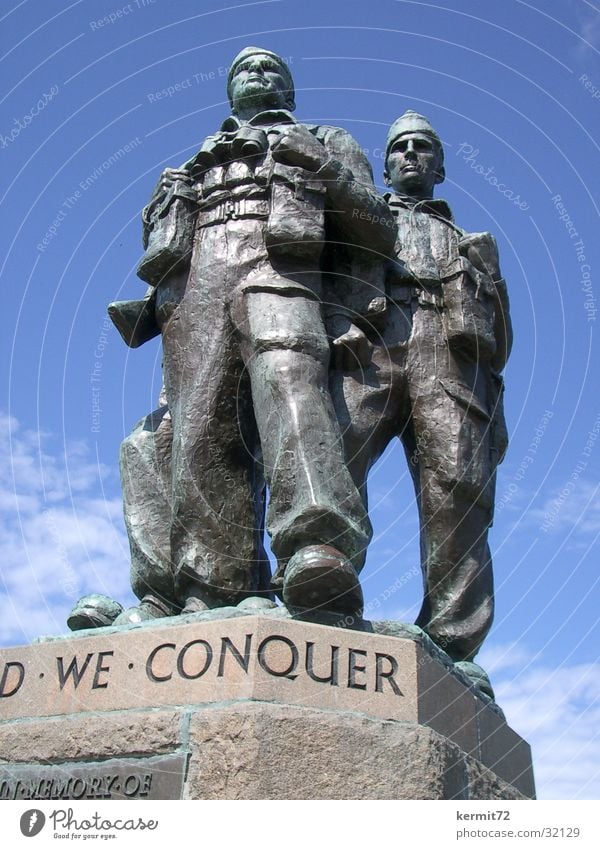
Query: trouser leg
point(371, 403)
point(457, 609)
point(145, 464)
point(214, 538)
point(455, 481)
point(312, 496)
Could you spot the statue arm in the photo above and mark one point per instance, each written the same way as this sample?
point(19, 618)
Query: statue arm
point(364, 217)
point(173, 182)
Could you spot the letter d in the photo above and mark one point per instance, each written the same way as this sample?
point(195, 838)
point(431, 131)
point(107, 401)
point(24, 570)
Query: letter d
point(4, 679)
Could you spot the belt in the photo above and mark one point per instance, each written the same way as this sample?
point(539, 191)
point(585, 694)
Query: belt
point(232, 209)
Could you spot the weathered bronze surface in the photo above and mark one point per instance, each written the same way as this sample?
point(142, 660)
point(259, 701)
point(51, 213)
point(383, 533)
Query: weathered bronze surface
point(305, 322)
point(243, 246)
point(434, 382)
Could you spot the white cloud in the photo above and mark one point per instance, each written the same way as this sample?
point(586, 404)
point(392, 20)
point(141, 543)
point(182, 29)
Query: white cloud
point(574, 506)
point(557, 710)
point(58, 539)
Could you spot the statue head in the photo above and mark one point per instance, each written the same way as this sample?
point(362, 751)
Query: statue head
point(258, 80)
point(414, 157)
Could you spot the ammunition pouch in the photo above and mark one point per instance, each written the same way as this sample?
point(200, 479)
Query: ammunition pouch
point(296, 224)
point(468, 312)
point(171, 235)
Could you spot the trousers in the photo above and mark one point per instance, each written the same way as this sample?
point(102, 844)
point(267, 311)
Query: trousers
point(246, 361)
point(440, 406)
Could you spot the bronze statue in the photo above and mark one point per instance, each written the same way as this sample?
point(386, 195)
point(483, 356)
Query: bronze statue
point(238, 242)
point(265, 251)
point(434, 381)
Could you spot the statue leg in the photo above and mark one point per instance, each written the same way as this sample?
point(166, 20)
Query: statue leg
point(455, 480)
point(145, 464)
point(371, 403)
point(214, 537)
point(313, 499)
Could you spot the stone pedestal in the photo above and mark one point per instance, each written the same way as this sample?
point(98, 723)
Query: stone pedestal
point(255, 707)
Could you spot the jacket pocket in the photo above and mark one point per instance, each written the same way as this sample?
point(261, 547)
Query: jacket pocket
point(171, 237)
point(296, 223)
point(469, 317)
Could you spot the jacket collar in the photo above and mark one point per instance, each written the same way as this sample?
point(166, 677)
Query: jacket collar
point(431, 206)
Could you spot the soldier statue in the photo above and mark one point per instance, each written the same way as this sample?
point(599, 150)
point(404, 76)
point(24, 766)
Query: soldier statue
point(239, 243)
point(267, 245)
point(434, 381)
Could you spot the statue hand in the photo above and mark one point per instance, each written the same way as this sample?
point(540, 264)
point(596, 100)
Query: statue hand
point(168, 178)
point(481, 249)
point(351, 348)
point(297, 146)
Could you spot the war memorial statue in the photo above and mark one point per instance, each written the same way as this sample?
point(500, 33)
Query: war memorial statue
point(305, 322)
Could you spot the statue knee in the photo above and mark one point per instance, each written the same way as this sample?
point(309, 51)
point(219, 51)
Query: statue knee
point(270, 322)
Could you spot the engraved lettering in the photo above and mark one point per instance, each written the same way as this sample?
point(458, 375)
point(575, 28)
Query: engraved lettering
point(13, 664)
point(242, 661)
point(131, 785)
point(146, 784)
point(332, 678)
point(99, 669)
point(78, 788)
point(149, 671)
point(73, 670)
point(112, 784)
point(353, 667)
point(262, 659)
point(184, 651)
point(380, 674)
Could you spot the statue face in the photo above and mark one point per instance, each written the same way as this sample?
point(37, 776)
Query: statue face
point(414, 165)
point(258, 84)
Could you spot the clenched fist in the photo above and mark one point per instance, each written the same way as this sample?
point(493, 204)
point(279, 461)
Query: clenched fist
point(297, 146)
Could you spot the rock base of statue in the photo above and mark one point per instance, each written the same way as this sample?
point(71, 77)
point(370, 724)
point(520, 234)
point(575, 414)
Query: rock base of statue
point(253, 707)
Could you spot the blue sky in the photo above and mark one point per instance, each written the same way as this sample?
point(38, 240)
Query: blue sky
point(513, 90)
